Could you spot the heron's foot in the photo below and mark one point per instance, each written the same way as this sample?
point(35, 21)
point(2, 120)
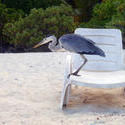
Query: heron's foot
point(75, 74)
point(64, 105)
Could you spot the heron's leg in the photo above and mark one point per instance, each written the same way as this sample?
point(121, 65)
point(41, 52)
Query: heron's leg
point(76, 72)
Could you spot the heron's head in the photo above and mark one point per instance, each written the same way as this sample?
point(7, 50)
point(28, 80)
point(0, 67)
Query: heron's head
point(48, 39)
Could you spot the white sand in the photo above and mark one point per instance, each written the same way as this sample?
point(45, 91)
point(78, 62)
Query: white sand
point(30, 91)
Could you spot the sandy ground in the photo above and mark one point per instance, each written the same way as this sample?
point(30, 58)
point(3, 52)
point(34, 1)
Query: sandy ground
point(30, 92)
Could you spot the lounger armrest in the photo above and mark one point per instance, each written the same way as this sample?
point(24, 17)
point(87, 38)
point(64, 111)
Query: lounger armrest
point(68, 67)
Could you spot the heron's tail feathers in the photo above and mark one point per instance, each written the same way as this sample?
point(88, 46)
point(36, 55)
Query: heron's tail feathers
point(100, 52)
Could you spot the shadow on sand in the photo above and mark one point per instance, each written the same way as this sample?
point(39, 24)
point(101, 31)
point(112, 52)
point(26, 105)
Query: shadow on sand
point(89, 100)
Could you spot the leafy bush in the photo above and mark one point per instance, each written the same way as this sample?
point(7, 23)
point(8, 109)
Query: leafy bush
point(26, 5)
point(83, 8)
point(118, 20)
point(103, 13)
point(7, 15)
point(108, 14)
point(46, 3)
point(27, 31)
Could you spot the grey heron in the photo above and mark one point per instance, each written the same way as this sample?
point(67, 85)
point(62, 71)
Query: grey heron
point(73, 43)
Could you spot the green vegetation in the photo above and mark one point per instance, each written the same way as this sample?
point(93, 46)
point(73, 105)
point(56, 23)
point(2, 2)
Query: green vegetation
point(27, 31)
point(118, 19)
point(25, 22)
point(106, 14)
point(27, 5)
point(84, 7)
point(7, 15)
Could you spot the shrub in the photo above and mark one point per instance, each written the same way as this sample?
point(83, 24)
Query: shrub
point(27, 31)
point(83, 8)
point(118, 20)
point(108, 14)
point(103, 13)
point(27, 5)
point(7, 15)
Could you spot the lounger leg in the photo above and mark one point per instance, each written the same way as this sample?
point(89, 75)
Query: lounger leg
point(124, 89)
point(65, 94)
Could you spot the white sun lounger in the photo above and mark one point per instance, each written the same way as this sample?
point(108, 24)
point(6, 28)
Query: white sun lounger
point(98, 72)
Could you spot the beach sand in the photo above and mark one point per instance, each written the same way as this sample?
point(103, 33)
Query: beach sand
point(30, 93)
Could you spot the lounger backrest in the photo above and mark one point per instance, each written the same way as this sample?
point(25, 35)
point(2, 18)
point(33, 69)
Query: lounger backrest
point(110, 41)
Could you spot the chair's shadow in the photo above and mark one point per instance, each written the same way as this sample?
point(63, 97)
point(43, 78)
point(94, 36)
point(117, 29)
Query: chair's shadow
point(85, 100)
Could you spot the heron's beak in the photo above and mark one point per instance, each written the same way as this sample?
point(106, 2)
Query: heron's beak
point(41, 43)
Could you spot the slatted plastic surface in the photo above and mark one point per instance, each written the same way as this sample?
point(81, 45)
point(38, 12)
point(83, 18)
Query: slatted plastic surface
point(112, 79)
point(110, 41)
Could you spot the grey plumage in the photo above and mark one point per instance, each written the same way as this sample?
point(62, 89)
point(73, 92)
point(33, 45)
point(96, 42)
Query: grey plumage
point(78, 44)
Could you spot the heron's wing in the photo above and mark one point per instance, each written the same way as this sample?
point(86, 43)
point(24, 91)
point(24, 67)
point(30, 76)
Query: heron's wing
point(90, 41)
point(76, 43)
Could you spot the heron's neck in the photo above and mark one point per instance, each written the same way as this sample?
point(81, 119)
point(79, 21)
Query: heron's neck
point(54, 45)
point(54, 41)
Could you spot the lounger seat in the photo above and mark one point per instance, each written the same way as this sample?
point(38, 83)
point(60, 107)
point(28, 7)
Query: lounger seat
point(100, 79)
